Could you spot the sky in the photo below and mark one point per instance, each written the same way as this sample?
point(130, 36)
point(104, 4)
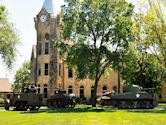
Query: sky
point(21, 13)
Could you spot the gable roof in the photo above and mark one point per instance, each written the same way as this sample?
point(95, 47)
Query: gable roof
point(5, 85)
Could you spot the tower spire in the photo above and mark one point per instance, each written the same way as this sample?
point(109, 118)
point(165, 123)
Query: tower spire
point(49, 6)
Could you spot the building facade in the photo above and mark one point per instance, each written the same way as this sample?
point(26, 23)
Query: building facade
point(48, 71)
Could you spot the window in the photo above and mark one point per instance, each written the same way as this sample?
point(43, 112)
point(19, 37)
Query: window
point(38, 89)
point(46, 48)
point(104, 89)
point(81, 92)
point(40, 48)
point(39, 72)
point(70, 73)
point(92, 91)
point(47, 36)
point(45, 90)
point(60, 69)
point(70, 89)
point(46, 69)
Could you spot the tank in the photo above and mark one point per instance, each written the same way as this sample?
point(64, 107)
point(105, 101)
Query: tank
point(61, 100)
point(28, 99)
point(132, 98)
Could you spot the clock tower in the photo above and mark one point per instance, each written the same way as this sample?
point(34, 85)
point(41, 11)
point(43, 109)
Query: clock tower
point(47, 27)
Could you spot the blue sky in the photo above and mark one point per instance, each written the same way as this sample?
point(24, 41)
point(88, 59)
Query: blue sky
point(22, 13)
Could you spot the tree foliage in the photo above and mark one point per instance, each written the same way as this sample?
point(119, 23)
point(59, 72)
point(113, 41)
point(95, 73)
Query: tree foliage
point(100, 29)
point(8, 39)
point(145, 62)
point(141, 68)
point(22, 77)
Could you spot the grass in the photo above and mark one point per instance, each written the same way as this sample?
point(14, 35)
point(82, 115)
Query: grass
point(83, 115)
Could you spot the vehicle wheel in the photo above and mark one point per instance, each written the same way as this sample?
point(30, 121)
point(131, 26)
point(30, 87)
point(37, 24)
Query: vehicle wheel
point(34, 107)
point(146, 105)
point(121, 105)
point(136, 104)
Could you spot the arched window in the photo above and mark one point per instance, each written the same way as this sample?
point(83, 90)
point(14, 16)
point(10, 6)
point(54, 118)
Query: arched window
point(92, 91)
point(81, 92)
point(45, 90)
point(104, 89)
point(70, 89)
point(38, 88)
point(115, 89)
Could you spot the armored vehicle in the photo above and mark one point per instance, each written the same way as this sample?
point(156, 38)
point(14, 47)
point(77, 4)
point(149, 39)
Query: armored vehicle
point(132, 98)
point(28, 99)
point(61, 100)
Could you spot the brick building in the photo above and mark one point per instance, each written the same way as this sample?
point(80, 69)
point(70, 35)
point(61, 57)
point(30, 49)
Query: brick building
point(51, 73)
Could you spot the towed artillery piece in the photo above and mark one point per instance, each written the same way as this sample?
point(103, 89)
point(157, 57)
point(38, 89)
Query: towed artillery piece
point(132, 98)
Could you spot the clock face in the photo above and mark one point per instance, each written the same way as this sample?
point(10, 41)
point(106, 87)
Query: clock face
point(43, 18)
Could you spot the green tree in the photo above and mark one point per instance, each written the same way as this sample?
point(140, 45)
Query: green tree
point(141, 68)
point(100, 29)
point(145, 62)
point(8, 39)
point(22, 77)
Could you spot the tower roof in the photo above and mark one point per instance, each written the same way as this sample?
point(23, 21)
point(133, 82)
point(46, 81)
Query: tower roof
point(49, 6)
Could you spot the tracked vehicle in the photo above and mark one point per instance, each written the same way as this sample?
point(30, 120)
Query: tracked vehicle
point(61, 100)
point(31, 100)
point(132, 98)
point(28, 99)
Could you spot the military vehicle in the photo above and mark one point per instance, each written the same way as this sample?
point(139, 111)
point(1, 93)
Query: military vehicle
point(132, 98)
point(61, 100)
point(28, 99)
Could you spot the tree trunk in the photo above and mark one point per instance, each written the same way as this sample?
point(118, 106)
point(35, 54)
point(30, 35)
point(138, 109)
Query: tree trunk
point(95, 93)
point(118, 82)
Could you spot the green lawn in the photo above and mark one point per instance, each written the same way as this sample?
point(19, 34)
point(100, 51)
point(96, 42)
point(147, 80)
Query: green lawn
point(85, 116)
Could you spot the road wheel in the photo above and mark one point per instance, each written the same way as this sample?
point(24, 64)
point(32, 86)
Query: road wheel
point(34, 107)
